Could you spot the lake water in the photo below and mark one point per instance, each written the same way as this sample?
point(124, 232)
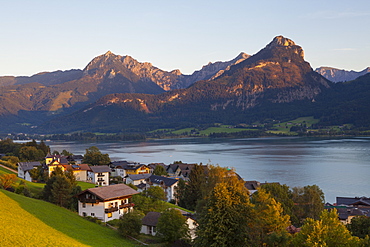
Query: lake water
point(339, 166)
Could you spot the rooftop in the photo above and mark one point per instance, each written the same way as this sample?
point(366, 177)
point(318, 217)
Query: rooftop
point(111, 191)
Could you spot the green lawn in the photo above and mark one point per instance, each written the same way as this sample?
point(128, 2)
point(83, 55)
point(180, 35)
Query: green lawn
point(223, 130)
point(4, 170)
point(29, 222)
point(36, 188)
point(181, 131)
point(284, 127)
point(85, 185)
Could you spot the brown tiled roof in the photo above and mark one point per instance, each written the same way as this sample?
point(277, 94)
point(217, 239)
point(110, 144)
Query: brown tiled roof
point(111, 192)
point(151, 219)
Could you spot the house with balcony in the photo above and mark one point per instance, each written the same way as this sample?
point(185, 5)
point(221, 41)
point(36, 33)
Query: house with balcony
point(137, 179)
point(106, 203)
point(167, 184)
point(98, 175)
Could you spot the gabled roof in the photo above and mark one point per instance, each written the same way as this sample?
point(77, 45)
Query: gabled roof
point(158, 179)
point(151, 219)
point(126, 165)
point(121, 163)
point(80, 167)
point(135, 177)
point(26, 166)
point(252, 185)
point(98, 169)
point(353, 201)
point(111, 192)
point(141, 186)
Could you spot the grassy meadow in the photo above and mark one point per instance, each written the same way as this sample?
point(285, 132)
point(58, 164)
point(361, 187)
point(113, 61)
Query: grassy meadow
point(284, 127)
point(29, 222)
point(36, 188)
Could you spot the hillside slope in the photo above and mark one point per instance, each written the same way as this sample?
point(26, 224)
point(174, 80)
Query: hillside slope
point(29, 222)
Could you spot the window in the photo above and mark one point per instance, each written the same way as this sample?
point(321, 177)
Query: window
point(84, 205)
point(84, 214)
point(93, 214)
point(109, 215)
point(92, 204)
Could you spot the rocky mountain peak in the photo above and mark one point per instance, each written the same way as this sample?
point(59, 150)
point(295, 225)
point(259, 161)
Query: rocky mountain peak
point(108, 53)
point(281, 42)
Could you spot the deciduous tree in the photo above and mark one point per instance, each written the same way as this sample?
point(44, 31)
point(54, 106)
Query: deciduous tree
point(7, 180)
point(94, 157)
point(160, 171)
point(226, 220)
point(326, 231)
point(360, 226)
point(309, 203)
point(31, 153)
point(155, 192)
point(130, 224)
point(269, 218)
point(172, 226)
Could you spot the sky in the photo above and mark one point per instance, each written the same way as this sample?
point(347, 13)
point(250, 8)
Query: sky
point(38, 36)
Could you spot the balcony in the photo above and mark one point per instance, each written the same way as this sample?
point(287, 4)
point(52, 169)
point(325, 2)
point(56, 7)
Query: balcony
point(111, 210)
point(126, 205)
point(89, 200)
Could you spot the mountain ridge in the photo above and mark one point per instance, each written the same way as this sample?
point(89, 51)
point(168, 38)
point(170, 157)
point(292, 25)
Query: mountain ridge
point(340, 75)
point(276, 74)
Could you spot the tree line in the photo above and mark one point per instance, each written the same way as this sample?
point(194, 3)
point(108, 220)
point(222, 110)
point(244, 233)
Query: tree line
point(228, 215)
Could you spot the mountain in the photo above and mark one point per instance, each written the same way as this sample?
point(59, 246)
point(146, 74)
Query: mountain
point(346, 102)
point(30, 101)
point(147, 72)
point(258, 87)
point(44, 78)
point(212, 70)
point(337, 75)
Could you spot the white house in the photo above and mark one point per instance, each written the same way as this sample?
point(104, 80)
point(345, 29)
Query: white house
point(99, 175)
point(106, 203)
point(80, 171)
point(150, 221)
point(167, 184)
point(137, 179)
point(25, 167)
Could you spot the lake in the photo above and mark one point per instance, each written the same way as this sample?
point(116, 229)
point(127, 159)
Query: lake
point(339, 166)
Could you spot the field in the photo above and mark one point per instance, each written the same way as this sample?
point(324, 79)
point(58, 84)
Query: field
point(205, 132)
point(29, 222)
point(284, 127)
point(36, 188)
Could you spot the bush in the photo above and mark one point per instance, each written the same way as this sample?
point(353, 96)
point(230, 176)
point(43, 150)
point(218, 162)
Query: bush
point(130, 224)
point(8, 164)
point(114, 222)
point(94, 219)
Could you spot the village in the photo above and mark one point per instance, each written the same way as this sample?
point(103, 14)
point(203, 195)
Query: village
point(117, 182)
point(166, 203)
